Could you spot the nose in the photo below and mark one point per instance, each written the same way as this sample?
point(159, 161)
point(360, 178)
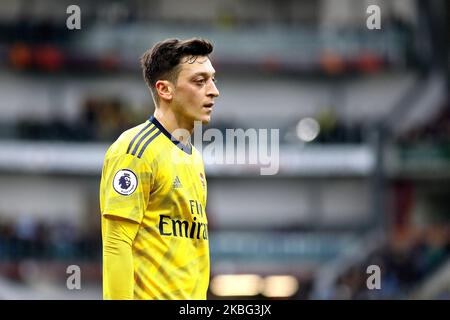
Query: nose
point(212, 90)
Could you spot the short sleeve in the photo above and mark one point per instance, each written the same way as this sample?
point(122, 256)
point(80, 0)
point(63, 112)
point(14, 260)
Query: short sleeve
point(125, 187)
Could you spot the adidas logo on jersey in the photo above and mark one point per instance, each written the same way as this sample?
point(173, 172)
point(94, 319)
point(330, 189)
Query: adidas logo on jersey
point(177, 183)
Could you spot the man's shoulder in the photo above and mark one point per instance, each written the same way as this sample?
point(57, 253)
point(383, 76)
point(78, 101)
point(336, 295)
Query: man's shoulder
point(134, 141)
point(122, 144)
point(128, 135)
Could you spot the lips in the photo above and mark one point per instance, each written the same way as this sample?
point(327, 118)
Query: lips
point(208, 105)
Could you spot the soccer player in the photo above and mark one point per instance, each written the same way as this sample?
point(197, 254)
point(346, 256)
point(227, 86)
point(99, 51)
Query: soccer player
point(153, 186)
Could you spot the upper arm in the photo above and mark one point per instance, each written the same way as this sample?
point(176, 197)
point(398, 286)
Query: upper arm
point(120, 229)
point(125, 187)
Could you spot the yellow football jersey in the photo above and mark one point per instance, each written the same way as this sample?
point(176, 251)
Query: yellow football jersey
point(158, 182)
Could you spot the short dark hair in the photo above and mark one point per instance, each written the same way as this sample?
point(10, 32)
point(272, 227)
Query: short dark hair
point(162, 60)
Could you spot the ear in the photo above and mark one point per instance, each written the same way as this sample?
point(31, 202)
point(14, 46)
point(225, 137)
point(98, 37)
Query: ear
point(164, 89)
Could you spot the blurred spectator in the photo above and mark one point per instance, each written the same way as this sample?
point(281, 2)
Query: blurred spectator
point(40, 240)
point(435, 131)
point(408, 258)
point(102, 119)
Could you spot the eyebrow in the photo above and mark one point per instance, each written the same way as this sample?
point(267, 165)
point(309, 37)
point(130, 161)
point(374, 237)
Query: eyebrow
point(202, 73)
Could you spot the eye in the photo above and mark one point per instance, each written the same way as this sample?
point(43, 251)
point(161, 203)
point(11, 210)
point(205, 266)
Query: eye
point(200, 81)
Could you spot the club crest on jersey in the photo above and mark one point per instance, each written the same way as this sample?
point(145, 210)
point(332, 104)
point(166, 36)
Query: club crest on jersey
point(125, 182)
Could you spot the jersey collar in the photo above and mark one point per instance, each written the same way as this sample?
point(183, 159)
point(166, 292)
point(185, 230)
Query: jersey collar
point(182, 146)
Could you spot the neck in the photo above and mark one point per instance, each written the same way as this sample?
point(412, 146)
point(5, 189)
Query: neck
point(172, 123)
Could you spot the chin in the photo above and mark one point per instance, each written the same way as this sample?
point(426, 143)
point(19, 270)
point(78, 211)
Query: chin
point(205, 119)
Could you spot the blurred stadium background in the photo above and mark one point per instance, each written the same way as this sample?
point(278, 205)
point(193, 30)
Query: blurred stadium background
point(364, 123)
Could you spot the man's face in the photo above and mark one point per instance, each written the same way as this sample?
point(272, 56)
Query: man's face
point(195, 90)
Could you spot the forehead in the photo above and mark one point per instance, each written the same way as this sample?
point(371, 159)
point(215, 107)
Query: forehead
point(200, 65)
